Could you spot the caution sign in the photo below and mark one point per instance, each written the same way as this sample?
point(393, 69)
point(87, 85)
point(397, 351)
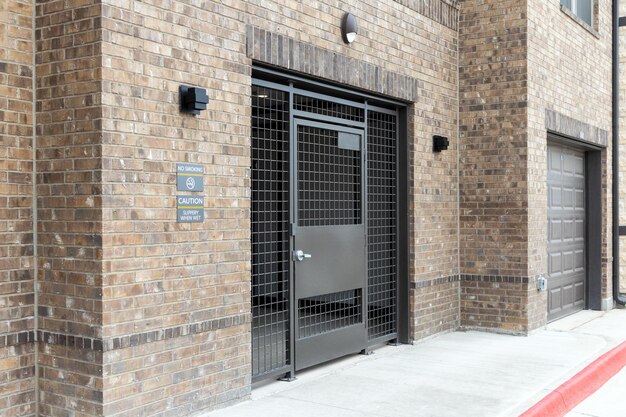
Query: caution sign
point(189, 209)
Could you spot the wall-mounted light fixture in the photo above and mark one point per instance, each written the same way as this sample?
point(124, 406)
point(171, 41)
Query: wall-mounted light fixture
point(193, 99)
point(440, 143)
point(260, 92)
point(348, 28)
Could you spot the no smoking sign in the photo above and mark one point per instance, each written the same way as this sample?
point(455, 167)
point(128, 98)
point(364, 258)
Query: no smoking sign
point(189, 177)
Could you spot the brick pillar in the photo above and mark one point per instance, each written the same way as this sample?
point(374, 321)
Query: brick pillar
point(17, 393)
point(69, 207)
point(495, 284)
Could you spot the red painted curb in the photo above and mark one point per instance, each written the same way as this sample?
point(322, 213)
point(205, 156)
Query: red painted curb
point(571, 393)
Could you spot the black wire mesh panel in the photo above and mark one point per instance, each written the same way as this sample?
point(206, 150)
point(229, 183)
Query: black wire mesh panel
point(329, 179)
point(325, 313)
point(270, 230)
point(328, 108)
point(381, 225)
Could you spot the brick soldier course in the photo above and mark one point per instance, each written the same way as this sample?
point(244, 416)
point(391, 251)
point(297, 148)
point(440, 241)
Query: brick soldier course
point(109, 307)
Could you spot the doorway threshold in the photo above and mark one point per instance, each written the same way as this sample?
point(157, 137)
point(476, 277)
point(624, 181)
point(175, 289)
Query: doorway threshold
point(268, 387)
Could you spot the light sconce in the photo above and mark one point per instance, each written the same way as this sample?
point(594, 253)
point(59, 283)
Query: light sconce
point(348, 28)
point(193, 99)
point(440, 143)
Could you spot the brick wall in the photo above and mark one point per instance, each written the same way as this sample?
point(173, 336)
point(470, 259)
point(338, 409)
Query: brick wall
point(493, 171)
point(512, 73)
point(161, 277)
point(17, 381)
point(178, 376)
point(577, 86)
point(433, 177)
point(133, 307)
point(69, 207)
point(167, 285)
point(498, 303)
point(17, 395)
point(435, 306)
point(140, 314)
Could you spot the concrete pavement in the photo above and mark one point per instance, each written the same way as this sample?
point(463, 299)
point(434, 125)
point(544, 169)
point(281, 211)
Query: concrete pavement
point(456, 374)
point(608, 401)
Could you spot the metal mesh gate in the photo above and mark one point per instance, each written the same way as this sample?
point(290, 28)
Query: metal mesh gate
point(329, 180)
point(325, 313)
point(319, 203)
point(381, 225)
point(270, 231)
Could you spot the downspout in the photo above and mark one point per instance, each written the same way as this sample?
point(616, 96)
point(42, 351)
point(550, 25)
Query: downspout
point(616, 25)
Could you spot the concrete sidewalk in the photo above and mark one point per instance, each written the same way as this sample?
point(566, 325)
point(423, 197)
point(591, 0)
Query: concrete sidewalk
point(460, 374)
point(608, 401)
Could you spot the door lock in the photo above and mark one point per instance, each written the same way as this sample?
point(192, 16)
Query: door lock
point(299, 255)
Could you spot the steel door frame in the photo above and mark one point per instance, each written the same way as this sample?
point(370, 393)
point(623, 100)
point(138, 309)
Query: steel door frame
point(293, 84)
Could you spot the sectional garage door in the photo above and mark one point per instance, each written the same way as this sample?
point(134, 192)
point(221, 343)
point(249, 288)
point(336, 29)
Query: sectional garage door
point(566, 231)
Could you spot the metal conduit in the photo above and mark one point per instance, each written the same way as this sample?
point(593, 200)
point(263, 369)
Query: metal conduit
point(617, 22)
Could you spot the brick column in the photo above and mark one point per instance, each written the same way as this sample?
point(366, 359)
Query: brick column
point(493, 166)
point(69, 186)
point(17, 354)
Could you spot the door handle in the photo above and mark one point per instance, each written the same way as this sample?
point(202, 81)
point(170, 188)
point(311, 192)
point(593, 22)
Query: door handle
point(300, 256)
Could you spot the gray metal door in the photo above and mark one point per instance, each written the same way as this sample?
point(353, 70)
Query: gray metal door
point(566, 231)
point(329, 242)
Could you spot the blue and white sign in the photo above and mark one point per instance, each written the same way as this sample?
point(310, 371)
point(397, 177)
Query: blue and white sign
point(189, 177)
point(189, 209)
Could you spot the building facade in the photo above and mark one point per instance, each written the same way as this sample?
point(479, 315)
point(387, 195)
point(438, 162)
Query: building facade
point(114, 303)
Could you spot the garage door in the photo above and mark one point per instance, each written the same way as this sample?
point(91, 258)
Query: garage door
point(566, 231)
